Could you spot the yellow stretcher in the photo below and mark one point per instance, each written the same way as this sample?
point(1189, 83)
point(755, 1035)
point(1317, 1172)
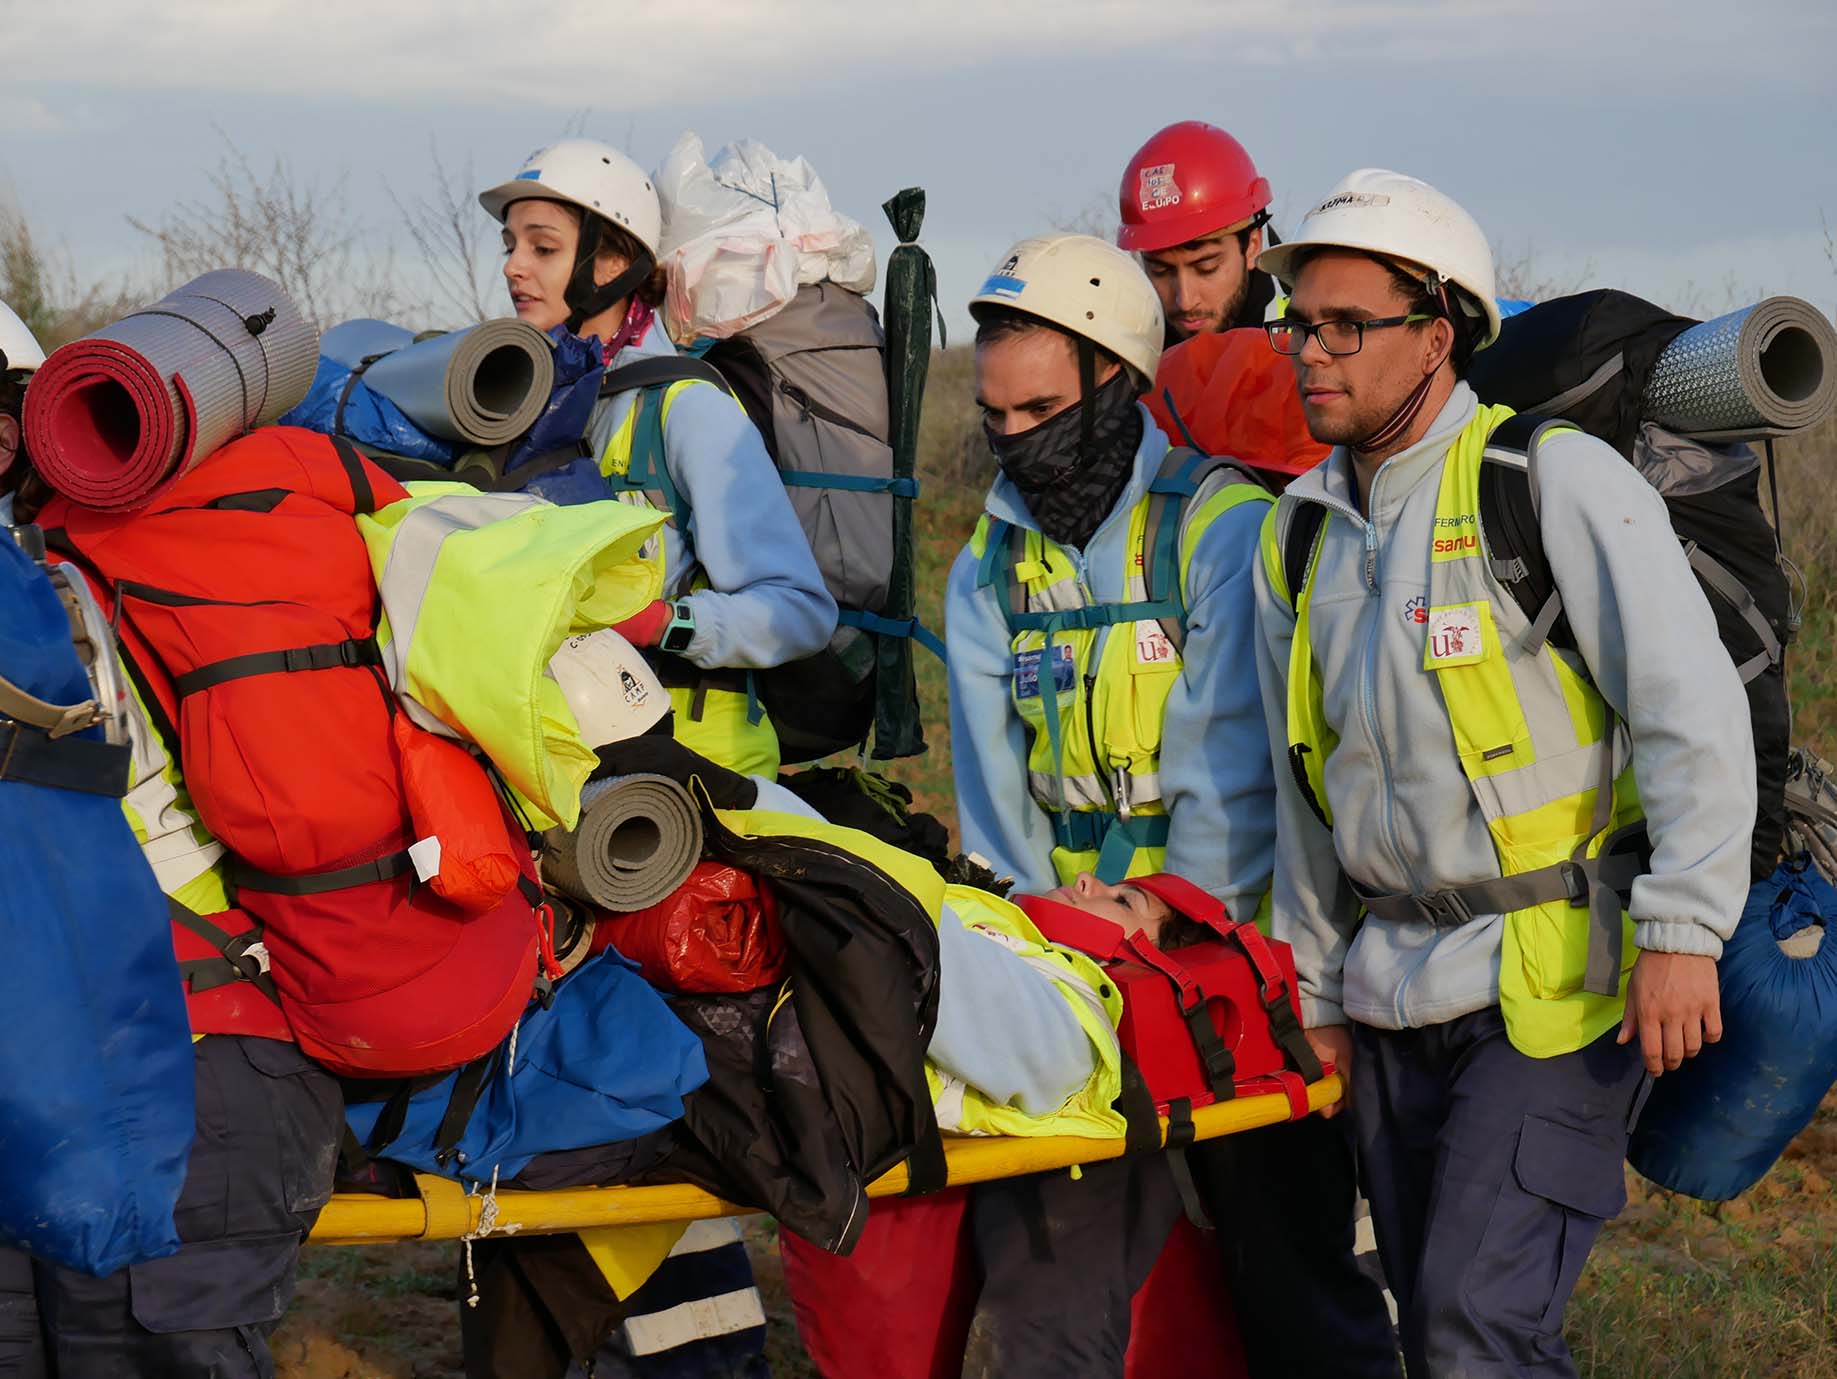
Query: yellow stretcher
point(446, 1211)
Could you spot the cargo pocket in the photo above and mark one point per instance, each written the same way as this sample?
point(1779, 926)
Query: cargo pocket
point(1548, 1214)
point(215, 1287)
point(305, 1113)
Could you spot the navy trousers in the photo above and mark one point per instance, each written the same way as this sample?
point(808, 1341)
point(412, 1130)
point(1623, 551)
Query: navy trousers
point(1283, 1199)
point(1061, 1261)
point(269, 1123)
point(1489, 1174)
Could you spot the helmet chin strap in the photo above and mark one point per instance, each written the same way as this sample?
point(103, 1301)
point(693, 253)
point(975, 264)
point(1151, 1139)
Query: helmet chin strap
point(1401, 419)
point(585, 298)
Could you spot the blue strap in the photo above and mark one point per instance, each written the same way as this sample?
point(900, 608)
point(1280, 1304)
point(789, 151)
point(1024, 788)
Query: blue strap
point(648, 471)
point(1115, 840)
point(892, 627)
point(1094, 616)
point(755, 711)
point(994, 552)
point(854, 483)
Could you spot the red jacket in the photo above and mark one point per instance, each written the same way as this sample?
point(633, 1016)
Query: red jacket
point(1237, 397)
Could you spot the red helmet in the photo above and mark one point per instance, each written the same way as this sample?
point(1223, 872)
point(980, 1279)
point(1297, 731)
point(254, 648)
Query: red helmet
point(1189, 181)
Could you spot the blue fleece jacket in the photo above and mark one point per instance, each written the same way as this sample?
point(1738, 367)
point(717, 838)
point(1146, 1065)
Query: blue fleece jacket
point(765, 603)
point(1216, 778)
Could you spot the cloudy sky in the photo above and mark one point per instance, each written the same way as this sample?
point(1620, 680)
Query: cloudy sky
point(1685, 150)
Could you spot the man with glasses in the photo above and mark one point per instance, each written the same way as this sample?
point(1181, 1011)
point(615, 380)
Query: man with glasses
point(1491, 924)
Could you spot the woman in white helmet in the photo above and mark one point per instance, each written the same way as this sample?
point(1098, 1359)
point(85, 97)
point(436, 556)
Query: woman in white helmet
point(581, 229)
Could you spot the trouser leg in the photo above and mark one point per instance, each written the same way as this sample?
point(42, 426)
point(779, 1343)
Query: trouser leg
point(22, 1346)
point(1283, 1199)
point(1528, 1164)
point(1061, 1261)
point(269, 1122)
point(1399, 1102)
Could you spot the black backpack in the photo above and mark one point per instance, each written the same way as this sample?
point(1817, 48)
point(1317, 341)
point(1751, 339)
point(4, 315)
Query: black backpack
point(1587, 359)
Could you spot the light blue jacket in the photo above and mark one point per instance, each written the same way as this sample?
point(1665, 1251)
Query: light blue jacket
point(1405, 818)
point(1002, 1025)
point(766, 603)
point(1216, 778)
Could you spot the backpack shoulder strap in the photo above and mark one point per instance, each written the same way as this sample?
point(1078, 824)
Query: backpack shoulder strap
point(1297, 545)
point(1185, 473)
point(1509, 527)
point(661, 370)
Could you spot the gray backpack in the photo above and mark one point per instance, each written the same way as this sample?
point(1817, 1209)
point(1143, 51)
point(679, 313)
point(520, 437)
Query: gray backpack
point(813, 379)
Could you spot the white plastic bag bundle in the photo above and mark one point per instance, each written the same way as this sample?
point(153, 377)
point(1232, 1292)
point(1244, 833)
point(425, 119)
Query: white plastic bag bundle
point(742, 231)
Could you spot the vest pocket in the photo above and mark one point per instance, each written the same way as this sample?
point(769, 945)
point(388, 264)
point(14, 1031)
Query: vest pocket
point(1462, 647)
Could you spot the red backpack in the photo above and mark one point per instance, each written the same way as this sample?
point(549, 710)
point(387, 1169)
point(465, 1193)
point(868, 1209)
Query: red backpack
point(246, 611)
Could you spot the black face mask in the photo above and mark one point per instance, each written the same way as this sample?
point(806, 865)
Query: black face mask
point(1069, 486)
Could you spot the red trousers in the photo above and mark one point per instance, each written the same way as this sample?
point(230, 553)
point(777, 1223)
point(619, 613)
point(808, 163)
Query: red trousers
point(900, 1306)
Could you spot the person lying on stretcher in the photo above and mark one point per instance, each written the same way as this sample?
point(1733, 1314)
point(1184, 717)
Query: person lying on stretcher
point(1025, 1039)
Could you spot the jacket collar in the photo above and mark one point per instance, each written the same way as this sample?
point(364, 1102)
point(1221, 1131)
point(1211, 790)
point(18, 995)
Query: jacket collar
point(1331, 480)
point(1004, 501)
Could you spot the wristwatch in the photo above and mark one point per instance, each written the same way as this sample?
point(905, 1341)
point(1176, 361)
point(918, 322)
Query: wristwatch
point(681, 628)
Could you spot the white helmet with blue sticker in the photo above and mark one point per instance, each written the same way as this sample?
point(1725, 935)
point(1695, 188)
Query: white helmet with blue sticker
point(1086, 286)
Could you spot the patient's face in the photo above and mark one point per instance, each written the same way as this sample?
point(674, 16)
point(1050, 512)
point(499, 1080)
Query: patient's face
point(1128, 907)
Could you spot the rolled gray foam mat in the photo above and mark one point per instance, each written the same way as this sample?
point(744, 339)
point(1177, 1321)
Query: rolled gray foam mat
point(484, 385)
point(1765, 369)
point(638, 839)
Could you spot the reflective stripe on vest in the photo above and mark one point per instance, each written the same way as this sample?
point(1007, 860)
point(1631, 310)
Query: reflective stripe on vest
point(458, 570)
point(728, 727)
point(1093, 703)
point(1535, 741)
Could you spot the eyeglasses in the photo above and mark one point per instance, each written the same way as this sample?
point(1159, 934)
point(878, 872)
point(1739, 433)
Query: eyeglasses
point(1336, 337)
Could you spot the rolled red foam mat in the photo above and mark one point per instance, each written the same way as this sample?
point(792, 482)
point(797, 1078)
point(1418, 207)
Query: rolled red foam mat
point(112, 418)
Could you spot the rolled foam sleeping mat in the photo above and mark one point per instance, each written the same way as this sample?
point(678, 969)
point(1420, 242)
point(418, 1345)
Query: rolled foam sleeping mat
point(638, 839)
point(1767, 368)
point(485, 385)
point(112, 418)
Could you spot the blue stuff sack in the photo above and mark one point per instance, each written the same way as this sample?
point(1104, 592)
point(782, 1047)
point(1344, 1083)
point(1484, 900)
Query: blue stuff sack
point(1713, 1128)
point(608, 1061)
point(96, 1078)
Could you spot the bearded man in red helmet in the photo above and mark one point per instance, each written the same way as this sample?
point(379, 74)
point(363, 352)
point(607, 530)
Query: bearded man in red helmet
point(1196, 210)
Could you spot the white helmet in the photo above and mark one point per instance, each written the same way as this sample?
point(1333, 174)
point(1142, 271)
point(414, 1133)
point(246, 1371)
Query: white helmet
point(613, 693)
point(1398, 217)
point(592, 176)
point(1086, 286)
point(22, 348)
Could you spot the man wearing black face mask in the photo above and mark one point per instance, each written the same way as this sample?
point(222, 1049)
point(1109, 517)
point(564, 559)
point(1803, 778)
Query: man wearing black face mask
point(1105, 719)
point(1103, 604)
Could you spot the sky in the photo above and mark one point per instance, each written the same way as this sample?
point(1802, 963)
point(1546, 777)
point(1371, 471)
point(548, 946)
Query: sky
point(1684, 150)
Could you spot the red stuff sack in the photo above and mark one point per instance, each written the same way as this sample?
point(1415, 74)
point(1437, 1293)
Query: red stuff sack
point(718, 931)
point(450, 800)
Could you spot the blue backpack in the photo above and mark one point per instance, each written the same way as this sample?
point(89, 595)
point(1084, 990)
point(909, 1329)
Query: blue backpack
point(96, 1108)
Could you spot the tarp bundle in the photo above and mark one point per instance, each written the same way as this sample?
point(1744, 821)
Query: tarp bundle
point(638, 839)
point(96, 1077)
point(113, 417)
point(911, 294)
point(742, 231)
point(1766, 368)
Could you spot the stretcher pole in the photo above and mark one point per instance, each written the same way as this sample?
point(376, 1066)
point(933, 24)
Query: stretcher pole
point(445, 1211)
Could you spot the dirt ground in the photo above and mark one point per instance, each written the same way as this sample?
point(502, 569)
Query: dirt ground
point(1677, 1289)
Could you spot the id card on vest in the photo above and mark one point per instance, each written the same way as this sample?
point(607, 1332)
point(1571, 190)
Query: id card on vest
point(1027, 671)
